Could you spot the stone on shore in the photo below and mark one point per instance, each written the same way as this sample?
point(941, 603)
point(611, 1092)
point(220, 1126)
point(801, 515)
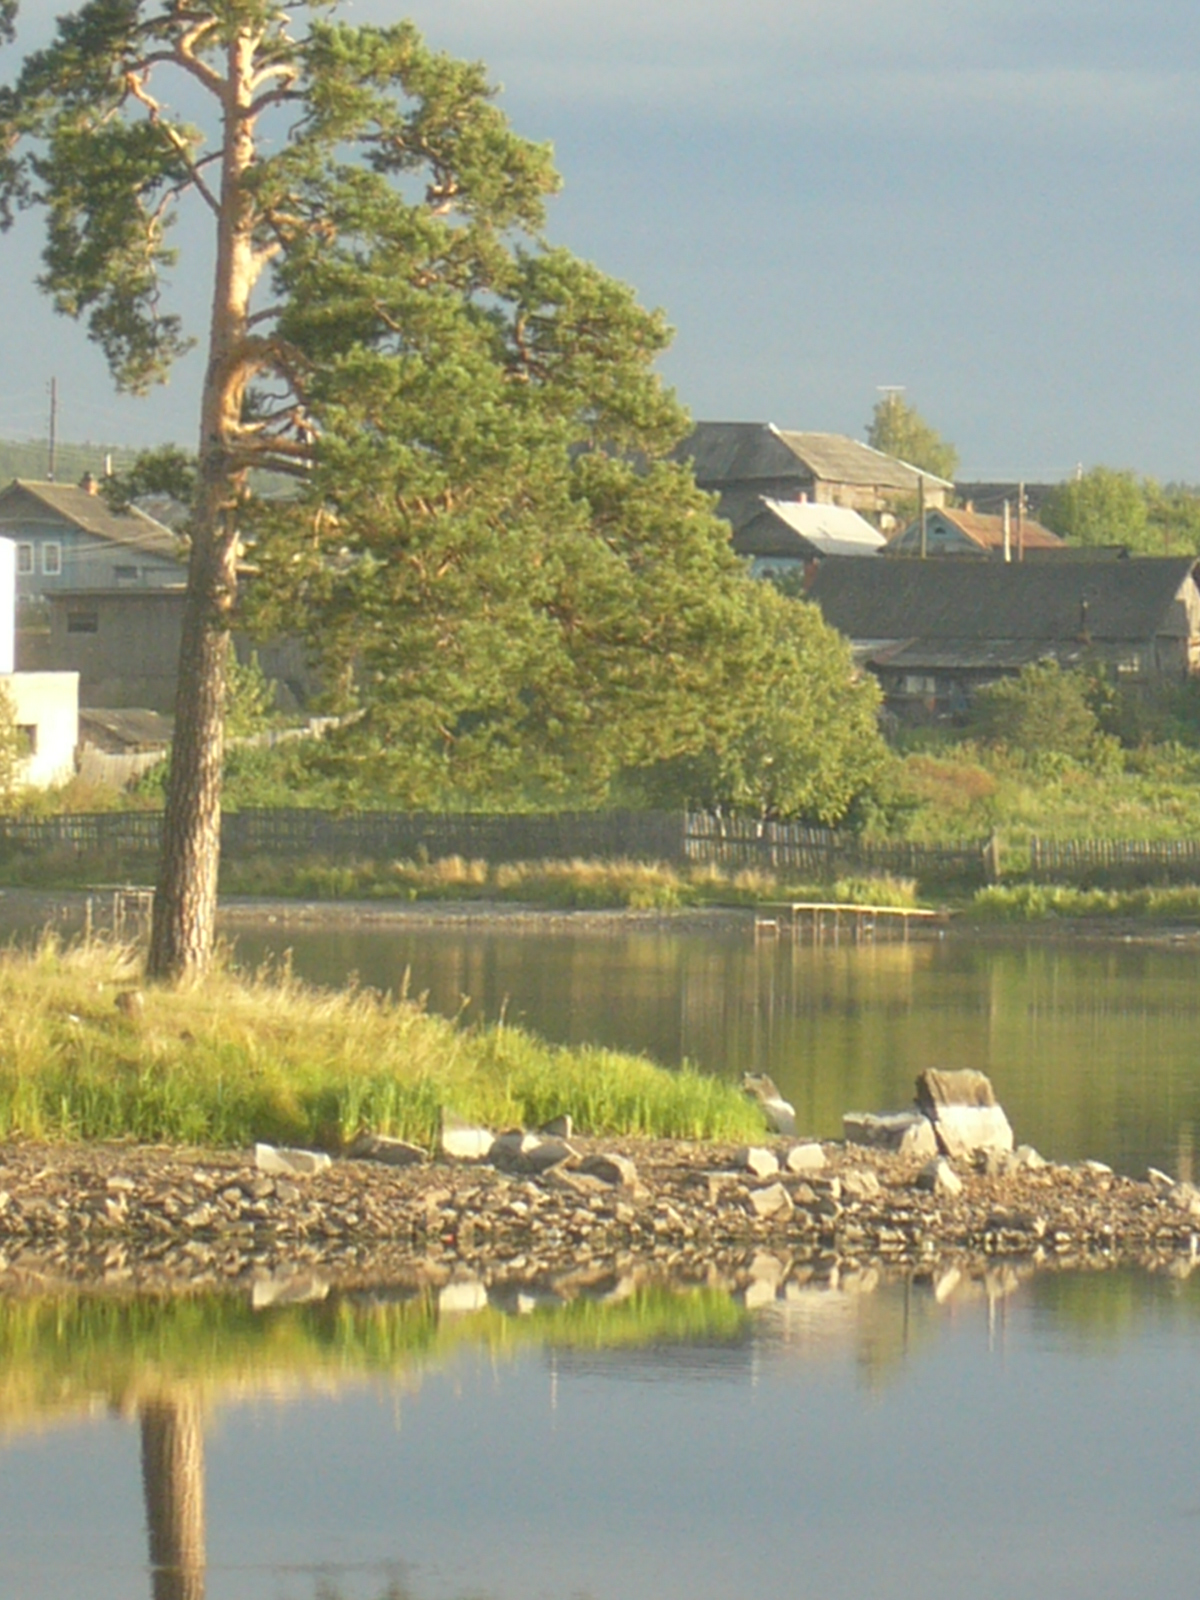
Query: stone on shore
point(619, 1171)
point(859, 1184)
point(756, 1159)
point(463, 1141)
point(772, 1202)
point(392, 1152)
point(284, 1163)
point(908, 1133)
point(528, 1153)
point(806, 1158)
point(940, 1178)
point(558, 1127)
point(780, 1113)
point(1186, 1197)
point(963, 1110)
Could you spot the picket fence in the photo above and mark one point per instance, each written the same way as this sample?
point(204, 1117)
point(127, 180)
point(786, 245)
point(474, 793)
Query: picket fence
point(818, 854)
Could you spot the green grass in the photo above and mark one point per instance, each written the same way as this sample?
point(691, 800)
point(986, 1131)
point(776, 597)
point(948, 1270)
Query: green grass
point(234, 1060)
point(1034, 902)
point(961, 790)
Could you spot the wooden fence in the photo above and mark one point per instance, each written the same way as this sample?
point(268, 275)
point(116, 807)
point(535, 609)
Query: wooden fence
point(823, 853)
point(813, 854)
point(368, 835)
point(1114, 861)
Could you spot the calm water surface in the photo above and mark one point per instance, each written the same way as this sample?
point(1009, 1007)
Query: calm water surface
point(1094, 1049)
point(839, 1443)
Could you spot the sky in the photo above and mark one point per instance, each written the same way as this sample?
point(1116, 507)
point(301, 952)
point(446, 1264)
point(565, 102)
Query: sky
point(994, 203)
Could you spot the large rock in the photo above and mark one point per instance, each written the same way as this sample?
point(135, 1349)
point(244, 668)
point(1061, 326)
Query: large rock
point(528, 1153)
point(806, 1158)
point(284, 1163)
point(392, 1152)
point(966, 1118)
point(610, 1168)
point(780, 1113)
point(909, 1133)
point(859, 1184)
point(754, 1158)
point(771, 1203)
point(463, 1141)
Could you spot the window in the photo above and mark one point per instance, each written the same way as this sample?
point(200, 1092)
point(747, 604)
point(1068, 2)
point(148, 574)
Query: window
point(83, 622)
point(51, 558)
point(125, 574)
point(915, 683)
point(24, 559)
point(27, 735)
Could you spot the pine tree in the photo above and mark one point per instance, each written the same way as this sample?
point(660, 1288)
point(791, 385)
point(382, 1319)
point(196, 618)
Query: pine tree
point(306, 122)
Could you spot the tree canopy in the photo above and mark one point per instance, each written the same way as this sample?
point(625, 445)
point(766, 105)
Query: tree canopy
point(1103, 506)
point(898, 429)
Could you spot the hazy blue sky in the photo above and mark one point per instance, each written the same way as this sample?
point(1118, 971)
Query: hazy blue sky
point(993, 202)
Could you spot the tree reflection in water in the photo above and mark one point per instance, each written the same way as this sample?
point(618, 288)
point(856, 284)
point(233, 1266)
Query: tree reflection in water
point(172, 1429)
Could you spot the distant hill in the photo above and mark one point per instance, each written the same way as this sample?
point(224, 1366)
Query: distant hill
point(21, 459)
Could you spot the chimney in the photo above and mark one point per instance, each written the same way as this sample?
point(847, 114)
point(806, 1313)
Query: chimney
point(88, 483)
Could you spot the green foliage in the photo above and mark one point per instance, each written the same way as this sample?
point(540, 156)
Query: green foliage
point(249, 698)
point(1100, 507)
point(12, 751)
point(806, 741)
point(898, 429)
point(236, 1060)
point(1043, 710)
point(1034, 902)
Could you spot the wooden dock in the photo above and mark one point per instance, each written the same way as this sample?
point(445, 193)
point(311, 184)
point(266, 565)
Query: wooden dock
point(829, 919)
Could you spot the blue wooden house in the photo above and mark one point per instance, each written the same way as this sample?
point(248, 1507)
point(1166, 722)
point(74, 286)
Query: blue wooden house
point(69, 538)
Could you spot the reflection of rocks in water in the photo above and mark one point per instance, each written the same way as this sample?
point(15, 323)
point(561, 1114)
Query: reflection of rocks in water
point(173, 1482)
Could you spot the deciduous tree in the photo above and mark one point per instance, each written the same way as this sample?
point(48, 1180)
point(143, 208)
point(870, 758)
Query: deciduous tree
point(899, 429)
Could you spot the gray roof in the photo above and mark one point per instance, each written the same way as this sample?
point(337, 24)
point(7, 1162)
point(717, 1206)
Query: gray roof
point(740, 452)
point(955, 601)
point(92, 513)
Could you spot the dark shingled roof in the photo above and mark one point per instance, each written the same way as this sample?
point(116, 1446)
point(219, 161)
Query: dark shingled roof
point(960, 601)
point(740, 452)
point(92, 513)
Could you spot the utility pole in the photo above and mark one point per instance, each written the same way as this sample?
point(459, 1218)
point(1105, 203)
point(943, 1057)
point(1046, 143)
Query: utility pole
point(1020, 522)
point(1007, 531)
point(53, 428)
point(921, 514)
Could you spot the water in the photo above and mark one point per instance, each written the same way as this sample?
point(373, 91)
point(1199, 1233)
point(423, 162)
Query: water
point(891, 1440)
point(841, 1443)
point(1094, 1049)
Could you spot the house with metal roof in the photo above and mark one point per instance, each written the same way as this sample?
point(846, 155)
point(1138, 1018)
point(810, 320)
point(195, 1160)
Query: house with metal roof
point(934, 631)
point(789, 535)
point(68, 537)
point(972, 533)
point(744, 461)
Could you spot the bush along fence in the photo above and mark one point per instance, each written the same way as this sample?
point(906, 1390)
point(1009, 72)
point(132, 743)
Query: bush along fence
point(790, 849)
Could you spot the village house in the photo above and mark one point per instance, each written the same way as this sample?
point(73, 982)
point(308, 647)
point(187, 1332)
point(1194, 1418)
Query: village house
point(969, 532)
point(934, 631)
point(67, 537)
point(745, 461)
point(787, 536)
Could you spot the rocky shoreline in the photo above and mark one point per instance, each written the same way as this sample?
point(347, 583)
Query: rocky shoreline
point(138, 1218)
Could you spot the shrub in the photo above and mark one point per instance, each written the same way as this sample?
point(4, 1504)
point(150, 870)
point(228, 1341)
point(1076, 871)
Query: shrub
point(1043, 711)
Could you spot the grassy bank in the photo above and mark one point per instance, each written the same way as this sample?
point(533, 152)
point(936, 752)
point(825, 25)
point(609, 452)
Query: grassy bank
point(1039, 902)
point(235, 1060)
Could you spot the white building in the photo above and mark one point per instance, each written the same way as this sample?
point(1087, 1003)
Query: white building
point(45, 704)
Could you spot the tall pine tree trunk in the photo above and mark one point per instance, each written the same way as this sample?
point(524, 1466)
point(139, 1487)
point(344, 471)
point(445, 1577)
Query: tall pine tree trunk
point(185, 902)
point(173, 1485)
